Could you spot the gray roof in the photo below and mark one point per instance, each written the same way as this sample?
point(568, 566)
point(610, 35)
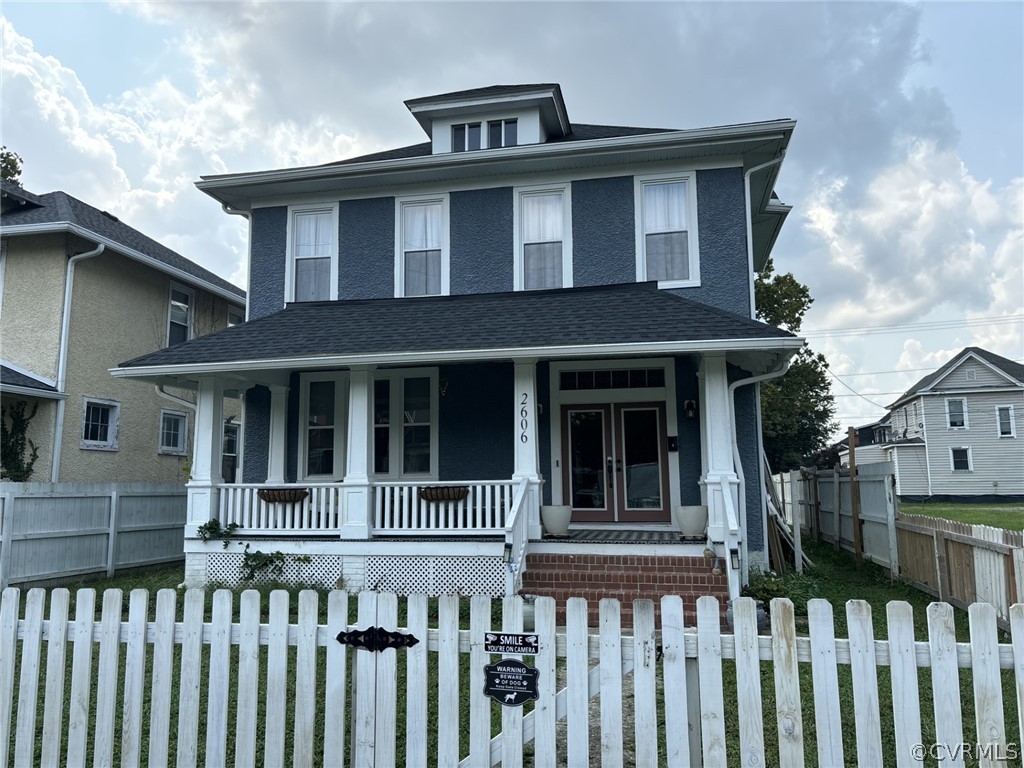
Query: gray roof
point(15, 192)
point(625, 314)
point(489, 90)
point(60, 208)
point(12, 378)
point(1007, 366)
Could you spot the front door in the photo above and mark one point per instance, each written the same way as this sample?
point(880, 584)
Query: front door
point(615, 462)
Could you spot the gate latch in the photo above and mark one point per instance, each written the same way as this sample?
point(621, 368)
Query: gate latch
point(376, 639)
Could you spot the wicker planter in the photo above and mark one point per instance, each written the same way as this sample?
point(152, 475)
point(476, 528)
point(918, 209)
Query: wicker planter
point(444, 493)
point(282, 495)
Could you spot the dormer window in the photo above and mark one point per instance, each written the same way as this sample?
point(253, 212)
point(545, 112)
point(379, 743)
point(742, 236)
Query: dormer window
point(502, 133)
point(465, 137)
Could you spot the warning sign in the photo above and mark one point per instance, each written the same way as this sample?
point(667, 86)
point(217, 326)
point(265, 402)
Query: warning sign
point(511, 644)
point(510, 682)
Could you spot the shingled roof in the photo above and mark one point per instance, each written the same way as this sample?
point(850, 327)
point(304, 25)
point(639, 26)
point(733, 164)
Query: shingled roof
point(10, 377)
point(59, 208)
point(632, 313)
point(1003, 364)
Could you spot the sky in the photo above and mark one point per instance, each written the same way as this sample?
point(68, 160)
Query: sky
point(905, 172)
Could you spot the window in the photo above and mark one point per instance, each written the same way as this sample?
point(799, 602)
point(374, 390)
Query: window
point(229, 456)
point(960, 459)
point(179, 315)
point(1005, 425)
point(956, 413)
point(235, 317)
point(421, 261)
point(502, 133)
point(100, 424)
point(666, 230)
point(465, 137)
point(405, 423)
point(313, 263)
point(323, 404)
point(543, 247)
point(173, 429)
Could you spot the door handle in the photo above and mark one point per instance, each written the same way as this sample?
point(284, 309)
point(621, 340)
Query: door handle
point(610, 476)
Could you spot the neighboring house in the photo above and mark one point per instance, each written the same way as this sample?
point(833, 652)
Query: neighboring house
point(870, 442)
point(520, 311)
point(80, 291)
point(960, 430)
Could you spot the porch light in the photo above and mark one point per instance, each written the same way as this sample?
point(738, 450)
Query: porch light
point(690, 409)
point(734, 558)
point(507, 554)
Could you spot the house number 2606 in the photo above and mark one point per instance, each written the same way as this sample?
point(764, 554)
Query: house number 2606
point(524, 419)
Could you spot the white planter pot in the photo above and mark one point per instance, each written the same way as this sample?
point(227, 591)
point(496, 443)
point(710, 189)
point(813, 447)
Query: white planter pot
point(691, 521)
point(556, 519)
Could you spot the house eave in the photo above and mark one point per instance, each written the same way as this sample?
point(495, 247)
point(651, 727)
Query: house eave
point(8, 389)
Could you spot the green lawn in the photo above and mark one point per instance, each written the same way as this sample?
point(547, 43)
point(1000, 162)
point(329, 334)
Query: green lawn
point(1002, 515)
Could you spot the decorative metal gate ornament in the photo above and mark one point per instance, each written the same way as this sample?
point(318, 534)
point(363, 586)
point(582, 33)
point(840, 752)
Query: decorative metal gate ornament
point(376, 639)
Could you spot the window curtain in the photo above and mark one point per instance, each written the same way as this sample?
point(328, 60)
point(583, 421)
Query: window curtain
point(665, 224)
point(421, 236)
point(312, 256)
point(542, 241)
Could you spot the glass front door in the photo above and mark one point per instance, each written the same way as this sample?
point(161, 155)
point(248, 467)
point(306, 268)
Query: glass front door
point(615, 462)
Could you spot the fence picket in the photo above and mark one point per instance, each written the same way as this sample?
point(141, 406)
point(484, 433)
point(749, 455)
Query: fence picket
point(712, 701)
point(544, 713)
point(448, 681)
point(188, 695)
point(945, 679)
point(644, 684)
point(1017, 639)
point(106, 695)
point(906, 704)
point(416, 691)
point(56, 661)
point(81, 677)
point(248, 678)
point(134, 679)
point(577, 671)
point(787, 684)
point(336, 682)
point(865, 682)
point(748, 680)
point(479, 704)
point(277, 680)
point(988, 691)
point(28, 679)
point(305, 680)
point(673, 648)
point(386, 685)
point(825, 683)
point(217, 693)
point(512, 717)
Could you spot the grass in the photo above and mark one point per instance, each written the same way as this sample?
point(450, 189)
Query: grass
point(1002, 515)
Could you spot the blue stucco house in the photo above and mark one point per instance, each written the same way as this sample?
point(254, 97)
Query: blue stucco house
point(521, 311)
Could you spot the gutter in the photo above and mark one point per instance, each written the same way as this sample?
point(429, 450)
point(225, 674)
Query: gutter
point(159, 389)
point(247, 215)
point(62, 356)
point(748, 213)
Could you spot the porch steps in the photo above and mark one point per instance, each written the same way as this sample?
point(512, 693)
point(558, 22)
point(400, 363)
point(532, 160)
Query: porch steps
point(625, 578)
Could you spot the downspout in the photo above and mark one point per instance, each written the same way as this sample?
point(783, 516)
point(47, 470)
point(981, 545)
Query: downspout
point(62, 356)
point(248, 217)
point(159, 388)
point(750, 220)
point(738, 464)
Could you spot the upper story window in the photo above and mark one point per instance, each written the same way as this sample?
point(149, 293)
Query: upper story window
point(956, 413)
point(960, 460)
point(179, 315)
point(1005, 425)
point(421, 258)
point(465, 137)
point(666, 227)
point(543, 248)
point(313, 249)
point(235, 317)
point(502, 133)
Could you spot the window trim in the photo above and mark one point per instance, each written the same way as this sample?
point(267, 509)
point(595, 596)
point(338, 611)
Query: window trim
point(1013, 424)
point(289, 264)
point(970, 459)
point(191, 325)
point(693, 238)
point(341, 385)
point(172, 450)
point(966, 424)
point(466, 125)
point(502, 121)
point(400, 204)
point(519, 262)
point(396, 441)
point(113, 425)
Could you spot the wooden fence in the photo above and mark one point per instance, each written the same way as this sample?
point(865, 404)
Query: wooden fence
point(59, 530)
point(223, 684)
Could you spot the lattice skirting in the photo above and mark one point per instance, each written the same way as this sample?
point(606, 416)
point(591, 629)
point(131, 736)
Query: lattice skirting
point(436, 575)
point(321, 571)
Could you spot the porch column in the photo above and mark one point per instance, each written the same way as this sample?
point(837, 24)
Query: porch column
point(278, 434)
point(527, 447)
point(206, 452)
point(357, 500)
point(720, 476)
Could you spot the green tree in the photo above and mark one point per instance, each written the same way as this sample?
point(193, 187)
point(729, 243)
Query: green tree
point(10, 165)
point(798, 410)
point(15, 465)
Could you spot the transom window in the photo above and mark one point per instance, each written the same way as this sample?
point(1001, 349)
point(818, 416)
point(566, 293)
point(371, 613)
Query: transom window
point(100, 424)
point(465, 137)
point(502, 133)
point(179, 315)
point(173, 431)
point(956, 413)
point(405, 424)
point(960, 459)
point(421, 263)
point(666, 230)
point(313, 239)
point(625, 378)
point(544, 247)
point(1004, 421)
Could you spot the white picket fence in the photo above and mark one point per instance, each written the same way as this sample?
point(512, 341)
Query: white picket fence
point(214, 695)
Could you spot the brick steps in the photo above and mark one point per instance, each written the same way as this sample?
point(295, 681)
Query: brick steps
point(624, 578)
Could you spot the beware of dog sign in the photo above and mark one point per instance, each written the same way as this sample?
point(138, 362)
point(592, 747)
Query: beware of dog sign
point(510, 682)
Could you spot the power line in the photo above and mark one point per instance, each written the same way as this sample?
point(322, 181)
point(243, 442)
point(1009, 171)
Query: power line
point(858, 394)
point(901, 370)
point(934, 325)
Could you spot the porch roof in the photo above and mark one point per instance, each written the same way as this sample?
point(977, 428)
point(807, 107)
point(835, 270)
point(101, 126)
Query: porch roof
point(613, 320)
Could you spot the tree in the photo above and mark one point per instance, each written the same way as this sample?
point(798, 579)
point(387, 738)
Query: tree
point(14, 464)
point(10, 165)
point(798, 410)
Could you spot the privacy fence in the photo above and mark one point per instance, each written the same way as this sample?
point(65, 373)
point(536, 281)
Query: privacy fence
point(59, 530)
point(206, 680)
point(959, 563)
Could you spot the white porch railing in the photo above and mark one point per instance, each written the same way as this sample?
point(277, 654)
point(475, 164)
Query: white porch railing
point(517, 538)
point(319, 511)
point(724, 527)
point(400, 510)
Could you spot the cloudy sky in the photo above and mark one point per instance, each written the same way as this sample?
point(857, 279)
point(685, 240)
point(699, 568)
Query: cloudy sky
point(906, 171)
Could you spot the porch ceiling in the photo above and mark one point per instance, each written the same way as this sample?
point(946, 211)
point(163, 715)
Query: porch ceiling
point(626, 320)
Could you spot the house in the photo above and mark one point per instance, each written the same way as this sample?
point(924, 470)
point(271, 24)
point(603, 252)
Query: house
point(869, 442)
point(959, 432)
point(79, 291)
point(519, 312)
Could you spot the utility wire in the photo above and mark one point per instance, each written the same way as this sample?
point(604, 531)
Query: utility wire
point(858, 394)
point(934, 325)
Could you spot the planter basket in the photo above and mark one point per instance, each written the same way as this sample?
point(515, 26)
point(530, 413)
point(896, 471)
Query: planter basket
point(282, 495)
point(444, 493)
